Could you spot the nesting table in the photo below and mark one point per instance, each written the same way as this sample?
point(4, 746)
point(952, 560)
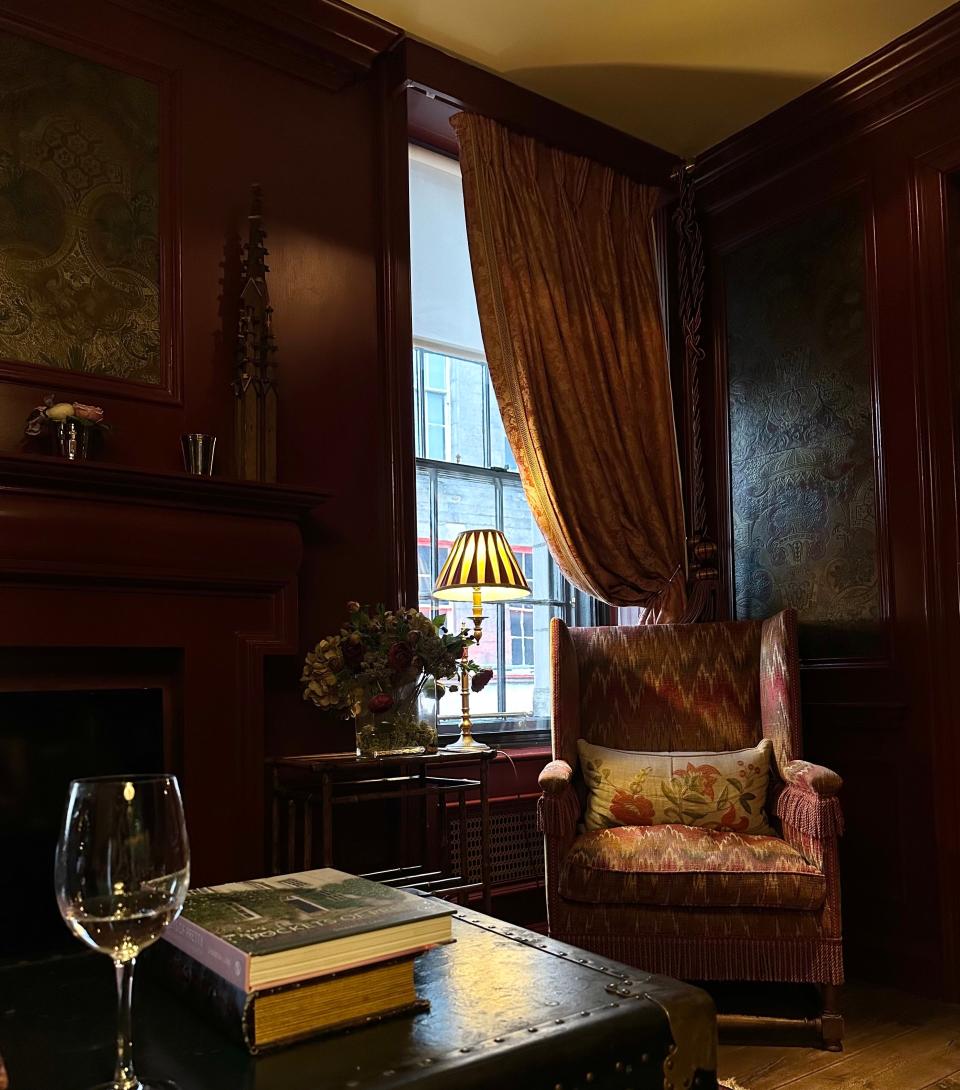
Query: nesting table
point(309, 792)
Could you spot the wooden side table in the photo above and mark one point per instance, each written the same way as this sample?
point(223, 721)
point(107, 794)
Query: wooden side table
point(306, 790)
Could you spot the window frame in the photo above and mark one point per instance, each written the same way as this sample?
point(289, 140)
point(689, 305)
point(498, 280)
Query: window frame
point(523, 611)
point(562, 599)
point(577, 608)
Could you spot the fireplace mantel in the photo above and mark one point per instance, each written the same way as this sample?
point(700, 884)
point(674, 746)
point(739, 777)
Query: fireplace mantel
point(103, 566)
point(103, 481)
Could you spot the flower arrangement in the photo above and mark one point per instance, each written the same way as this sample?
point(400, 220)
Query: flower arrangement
point(58, 412)
point(379, 652)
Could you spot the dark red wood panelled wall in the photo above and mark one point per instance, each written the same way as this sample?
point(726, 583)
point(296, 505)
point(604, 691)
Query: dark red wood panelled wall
point(286, 97)
point(309, 99)
point(889, 130)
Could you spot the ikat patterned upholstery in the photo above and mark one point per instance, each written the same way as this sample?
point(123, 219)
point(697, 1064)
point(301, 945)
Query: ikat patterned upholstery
point(670, 687)
point(711, 790)
point(690, 867)
point(692, 902)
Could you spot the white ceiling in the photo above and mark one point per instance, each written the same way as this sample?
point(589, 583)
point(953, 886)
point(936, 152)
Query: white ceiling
point(680, 73)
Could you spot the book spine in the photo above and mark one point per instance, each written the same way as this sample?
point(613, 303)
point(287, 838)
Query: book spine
point(210, 951)
point(207, 992)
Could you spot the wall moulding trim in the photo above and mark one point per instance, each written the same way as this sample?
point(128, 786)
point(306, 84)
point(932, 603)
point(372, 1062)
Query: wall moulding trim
point(910, 71)
point(170, 388)
point(399, 510)
point(819, 665)
point(934, 239)
point(324, 42)
point(725, 241)
point(853, 718)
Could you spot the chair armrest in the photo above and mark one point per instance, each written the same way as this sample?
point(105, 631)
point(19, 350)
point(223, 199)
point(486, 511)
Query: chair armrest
point(555, 777)
point(558, 809)
point(809, 777)
point(810, 813)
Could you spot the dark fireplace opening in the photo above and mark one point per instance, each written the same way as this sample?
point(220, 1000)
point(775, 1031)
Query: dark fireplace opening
point(48, 739)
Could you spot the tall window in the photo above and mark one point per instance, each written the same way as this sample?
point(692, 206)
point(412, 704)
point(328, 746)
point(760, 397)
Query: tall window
point(466, 474)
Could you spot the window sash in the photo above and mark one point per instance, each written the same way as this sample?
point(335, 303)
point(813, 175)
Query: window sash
point(559, 598)
point(496, 449)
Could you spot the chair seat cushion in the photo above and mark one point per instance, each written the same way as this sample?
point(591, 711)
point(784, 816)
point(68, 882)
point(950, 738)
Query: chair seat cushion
point(688, 866)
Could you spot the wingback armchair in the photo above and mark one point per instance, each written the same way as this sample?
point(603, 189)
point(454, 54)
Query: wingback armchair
point(699, 904)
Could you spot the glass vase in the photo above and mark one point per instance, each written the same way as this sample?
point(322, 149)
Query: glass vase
point(407, 727)
point(70, 439)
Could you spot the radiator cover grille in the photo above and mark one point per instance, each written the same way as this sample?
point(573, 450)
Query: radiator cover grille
point(516, 845)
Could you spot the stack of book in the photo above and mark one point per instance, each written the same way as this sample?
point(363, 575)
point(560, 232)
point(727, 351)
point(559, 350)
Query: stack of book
point(280, 959)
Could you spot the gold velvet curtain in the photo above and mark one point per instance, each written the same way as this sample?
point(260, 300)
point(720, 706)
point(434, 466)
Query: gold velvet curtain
point(566, 283)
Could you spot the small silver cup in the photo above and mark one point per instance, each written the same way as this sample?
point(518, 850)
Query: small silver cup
point(198, 453)
point(71, 439)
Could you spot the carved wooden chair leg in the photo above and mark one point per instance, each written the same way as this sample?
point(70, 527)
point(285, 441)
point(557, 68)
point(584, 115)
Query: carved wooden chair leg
point(831, 1020)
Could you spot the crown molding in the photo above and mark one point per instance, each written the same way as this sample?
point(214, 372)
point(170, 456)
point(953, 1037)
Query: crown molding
point(324, 42)
point(908, 72)
point(450, 84)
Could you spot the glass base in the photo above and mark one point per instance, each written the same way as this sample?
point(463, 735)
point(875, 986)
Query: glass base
point(406, 728)
point(399, 751)
point(149, 1084)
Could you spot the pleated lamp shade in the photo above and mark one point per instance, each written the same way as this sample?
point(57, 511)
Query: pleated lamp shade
point(481, 559)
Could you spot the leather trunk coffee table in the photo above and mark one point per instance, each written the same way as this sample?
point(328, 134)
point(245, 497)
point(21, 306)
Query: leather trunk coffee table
point(510, 1010)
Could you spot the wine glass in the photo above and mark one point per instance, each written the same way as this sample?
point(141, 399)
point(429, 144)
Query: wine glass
point(122, 871)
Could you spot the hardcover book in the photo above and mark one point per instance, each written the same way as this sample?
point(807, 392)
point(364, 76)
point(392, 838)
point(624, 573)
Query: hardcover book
point(275, 931)
point(288, 1013)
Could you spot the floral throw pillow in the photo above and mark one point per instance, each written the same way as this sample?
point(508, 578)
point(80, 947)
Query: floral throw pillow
point(711, 790)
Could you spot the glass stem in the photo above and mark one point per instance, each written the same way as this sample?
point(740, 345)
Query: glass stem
point(125, 1077)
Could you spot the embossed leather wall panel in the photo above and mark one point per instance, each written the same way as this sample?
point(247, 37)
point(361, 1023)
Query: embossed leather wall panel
point(801, 428)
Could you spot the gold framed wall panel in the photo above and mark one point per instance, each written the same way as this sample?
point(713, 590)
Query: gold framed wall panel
point(89, 219)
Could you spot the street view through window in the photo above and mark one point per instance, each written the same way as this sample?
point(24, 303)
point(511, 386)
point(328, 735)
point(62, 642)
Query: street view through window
point(466, 474)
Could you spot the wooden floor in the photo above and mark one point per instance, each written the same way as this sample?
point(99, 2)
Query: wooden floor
point(892, 1042)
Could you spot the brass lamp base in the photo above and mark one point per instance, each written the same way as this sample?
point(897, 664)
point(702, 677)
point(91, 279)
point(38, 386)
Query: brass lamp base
point(466, 743)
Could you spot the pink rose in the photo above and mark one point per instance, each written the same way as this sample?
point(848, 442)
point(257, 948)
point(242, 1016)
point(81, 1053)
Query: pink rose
point(400, 656)
point(93, 413)
point(352, 651)
point(382, 702)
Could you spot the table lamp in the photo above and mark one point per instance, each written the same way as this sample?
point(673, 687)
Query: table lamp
point(480, 565)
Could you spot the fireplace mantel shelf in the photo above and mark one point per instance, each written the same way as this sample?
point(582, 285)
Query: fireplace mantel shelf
point(102, 481)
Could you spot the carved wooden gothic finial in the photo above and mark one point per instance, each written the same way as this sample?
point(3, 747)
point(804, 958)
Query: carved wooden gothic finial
point(255, 374)
point(690, 274)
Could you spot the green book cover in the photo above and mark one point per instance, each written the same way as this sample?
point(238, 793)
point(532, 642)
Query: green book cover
point(295, 910)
